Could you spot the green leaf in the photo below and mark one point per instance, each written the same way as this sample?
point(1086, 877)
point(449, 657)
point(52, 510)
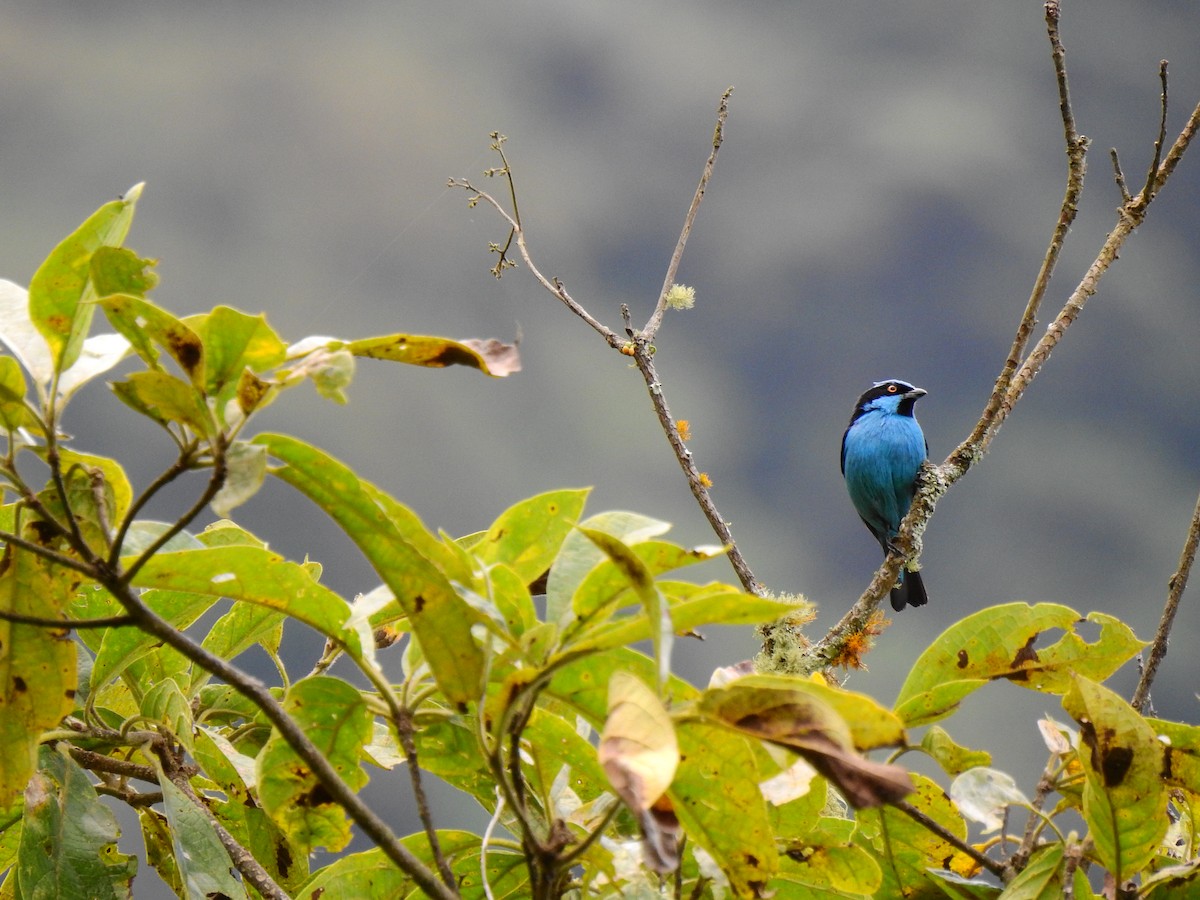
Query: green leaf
point(1124, 797)
point(69, 839)
point(578, 556)
point(440, 619)
point(527, 536)
point(37, 665)
point(658, 611)
point(13, 412)
point(62, 284)
point(823, 865)
point(203, 864)
point(253, 575)
point(583, 683)
point(712, 604)
point(120, 647)
point(606, 588)
point(234, 773)
point(243, 627)
point(718, 802)
point(116, 270)
point(1042, 877)
point(906, 850)
point(335, 717)
point(146, 325)
point(234, 341)
point(164, 398)
point(999, 643)
point(109, 471)
point(952, 757)
point(372, 874)
point(165, 705)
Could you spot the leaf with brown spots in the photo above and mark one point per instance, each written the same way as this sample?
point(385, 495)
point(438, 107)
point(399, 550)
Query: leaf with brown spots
point(720, 805)
point(335, 717)
point(1011, 642)
point(489, 356)
point(1124, 796)
point(37, 666)
point(783, 712)
point(906, 850)
point(149, 328)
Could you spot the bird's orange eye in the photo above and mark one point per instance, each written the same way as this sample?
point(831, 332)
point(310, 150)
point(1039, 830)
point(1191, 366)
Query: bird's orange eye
point(892, 389)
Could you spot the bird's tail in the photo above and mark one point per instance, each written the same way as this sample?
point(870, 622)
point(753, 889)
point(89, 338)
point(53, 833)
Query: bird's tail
point(909, 591)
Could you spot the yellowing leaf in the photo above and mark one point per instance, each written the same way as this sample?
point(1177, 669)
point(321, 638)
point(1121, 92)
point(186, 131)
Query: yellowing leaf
point(1124, 798)
point(787, 713)
point(37, 665)
point(62, 284)
point(1001, 643)
point(492, 357)
point(637, 747)
point(335, 717)
point(386, 533)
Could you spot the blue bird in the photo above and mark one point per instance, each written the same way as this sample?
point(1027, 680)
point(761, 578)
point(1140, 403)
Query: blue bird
point(882, 451)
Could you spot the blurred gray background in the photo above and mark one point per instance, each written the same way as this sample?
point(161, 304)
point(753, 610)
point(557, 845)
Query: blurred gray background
point(890, 177)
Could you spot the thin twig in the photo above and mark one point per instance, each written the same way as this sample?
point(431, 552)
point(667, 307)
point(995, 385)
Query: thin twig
point(260, 695)
point(638, 345)
point(220, 469)
point(652, 326)
point(1076, 150)
point(67, 624)
point(554, 286)
point(937, 479)
point(949, 837)
point(643, 357)
point(182, 463)
point(1175, 588)
point(1152, 171)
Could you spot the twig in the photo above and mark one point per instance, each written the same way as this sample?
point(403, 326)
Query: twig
point(182, 463)
point(1076, 150)
point(652, 326)
point(1175, 588)
point(1045, 785)
point(554, 286)
point(67, 624)
point(643, 357)
point(260, 695)
point(1011, 385)
point(949, 837)
point(220, 468)
point(638, 345)
point(100, 762)
point(243, 860)
point(1152, 171)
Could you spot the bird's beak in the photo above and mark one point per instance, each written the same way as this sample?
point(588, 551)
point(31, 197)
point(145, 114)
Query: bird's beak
point(914, 393)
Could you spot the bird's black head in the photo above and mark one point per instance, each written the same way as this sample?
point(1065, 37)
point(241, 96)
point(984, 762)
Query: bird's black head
point(893, 396)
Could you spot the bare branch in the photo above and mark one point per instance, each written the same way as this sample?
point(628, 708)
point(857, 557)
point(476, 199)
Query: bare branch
point(1017, 374)
point(1176, 585)
point(1152, 172)
point(656, 317)
point(643, 357)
